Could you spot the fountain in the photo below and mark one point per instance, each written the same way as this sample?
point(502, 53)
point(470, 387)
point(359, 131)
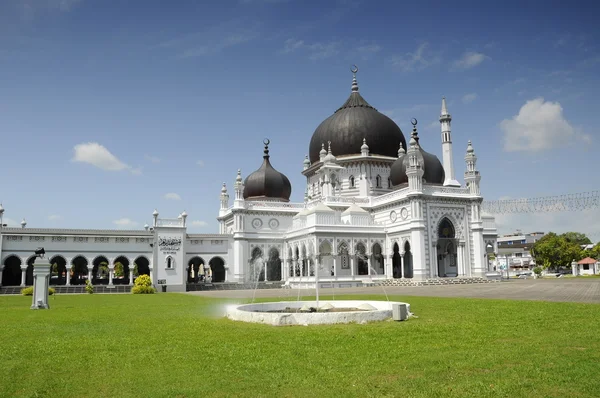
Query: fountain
point(315, 312)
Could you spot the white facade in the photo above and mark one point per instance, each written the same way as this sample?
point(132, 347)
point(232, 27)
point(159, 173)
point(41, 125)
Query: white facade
point(353, 225)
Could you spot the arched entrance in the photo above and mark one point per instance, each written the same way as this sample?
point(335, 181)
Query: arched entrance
point(325, 263)
point(361, 260)
point(446, 249)
point(195, 269)
point(100, 271)
point(377, 259)
point(59, 272)
point(79, 270)
point(29, 271)
point(217, 265)
point(257, 266)
point(397, 262)
point(121, 271)
point(274, 265)
point(408, 261)
point(11, 275)
point(141, 266)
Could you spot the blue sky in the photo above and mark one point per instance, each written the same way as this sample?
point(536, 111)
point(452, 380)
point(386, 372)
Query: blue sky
point(160, 99)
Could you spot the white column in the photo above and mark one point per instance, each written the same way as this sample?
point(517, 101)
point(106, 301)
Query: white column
point(460, 267)
point(369, 264)
point(23, 275)
point(352, 264)
point(130, 277)
point(110, 276)
point(1, 267)
point(433, 261)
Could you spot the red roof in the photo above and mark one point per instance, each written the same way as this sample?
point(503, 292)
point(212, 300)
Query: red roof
point(587, 260)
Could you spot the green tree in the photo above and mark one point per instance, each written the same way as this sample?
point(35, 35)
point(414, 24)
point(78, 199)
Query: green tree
point(576, 237)
point(555, 251)
point(119, 269)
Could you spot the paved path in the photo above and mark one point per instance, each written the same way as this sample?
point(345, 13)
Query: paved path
point(559, 289)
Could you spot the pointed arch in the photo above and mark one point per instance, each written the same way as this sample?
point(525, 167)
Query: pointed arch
point(11, 274)
point(377, 259)
point(274, 265)
point(257, 265)
point(195, 270)
point(446, 229)
point(29, 271)
point(352, 182)
point(217, 267)
point(408, 260)
point(141, 266)
point(79, 270)
point(362, 264)
point(378, 181)
point(58, 270)
point(396, 261)
point(121, 270)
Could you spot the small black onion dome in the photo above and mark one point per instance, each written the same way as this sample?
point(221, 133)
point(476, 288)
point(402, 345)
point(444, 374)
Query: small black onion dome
point(266, 182)
point(433, 171)
point(354, 122)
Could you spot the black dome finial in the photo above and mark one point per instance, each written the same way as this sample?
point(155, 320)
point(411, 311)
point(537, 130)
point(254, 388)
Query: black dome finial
point(266, 141)
point(354, 70)
point(414, 134)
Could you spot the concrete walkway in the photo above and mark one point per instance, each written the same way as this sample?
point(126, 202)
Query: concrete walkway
point(583, 290)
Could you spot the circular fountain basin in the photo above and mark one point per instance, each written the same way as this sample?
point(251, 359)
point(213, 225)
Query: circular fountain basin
point(297, 312)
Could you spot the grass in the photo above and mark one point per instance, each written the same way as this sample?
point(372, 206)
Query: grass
point(175, 345)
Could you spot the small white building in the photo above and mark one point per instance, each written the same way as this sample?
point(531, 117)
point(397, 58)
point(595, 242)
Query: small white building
point(375, 207)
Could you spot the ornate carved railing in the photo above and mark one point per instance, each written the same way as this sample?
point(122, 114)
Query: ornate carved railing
point(273, 205)
point(169, 222)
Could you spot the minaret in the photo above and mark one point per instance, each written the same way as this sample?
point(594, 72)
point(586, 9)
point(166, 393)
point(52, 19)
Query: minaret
point(224, 197)
point(155, 218)
point(448, 160)
point(413, 162)
point(472, 176)
point(364, 149)
point(238, 201)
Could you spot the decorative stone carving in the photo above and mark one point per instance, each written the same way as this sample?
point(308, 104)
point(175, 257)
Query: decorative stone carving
point(37, 238)
point(121, 239)
point(80, 239)
point(393, 216)
point(59, 239)
point(456, 215)
point(101, 239)
point(257, 223)
point(273, 223)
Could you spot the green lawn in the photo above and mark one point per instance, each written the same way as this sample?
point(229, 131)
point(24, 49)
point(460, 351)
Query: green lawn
point(175, 345)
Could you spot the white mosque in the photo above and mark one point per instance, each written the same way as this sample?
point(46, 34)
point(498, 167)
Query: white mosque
point(375, 208)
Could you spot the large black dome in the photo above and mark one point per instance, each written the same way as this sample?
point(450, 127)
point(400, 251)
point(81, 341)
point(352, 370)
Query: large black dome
point(267, 183)
point(351, 123)
point(433, 171)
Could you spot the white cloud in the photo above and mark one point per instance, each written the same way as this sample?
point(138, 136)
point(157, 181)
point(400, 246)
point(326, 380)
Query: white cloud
point(316, 51)
point(540, 125)
point(469, 60)
point(125, 223)
point(200, 163)
point(214, 39)
point(54, 217)
point(152, 159)
point(468, 98)
point(420, 59)
point(97, 155)
point(198, 223)
point(172, 196)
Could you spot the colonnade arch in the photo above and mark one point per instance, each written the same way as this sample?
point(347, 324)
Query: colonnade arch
point(447, 249)
point(195, 270)
point(59, 272)
point(217, 266)
point(11, 273)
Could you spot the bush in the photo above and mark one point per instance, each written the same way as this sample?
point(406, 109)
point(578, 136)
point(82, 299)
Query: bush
point(537, 271)
point(143, 280)
point(28, 291)
point(143, 290)
point(89, 287)
point(143, 285)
